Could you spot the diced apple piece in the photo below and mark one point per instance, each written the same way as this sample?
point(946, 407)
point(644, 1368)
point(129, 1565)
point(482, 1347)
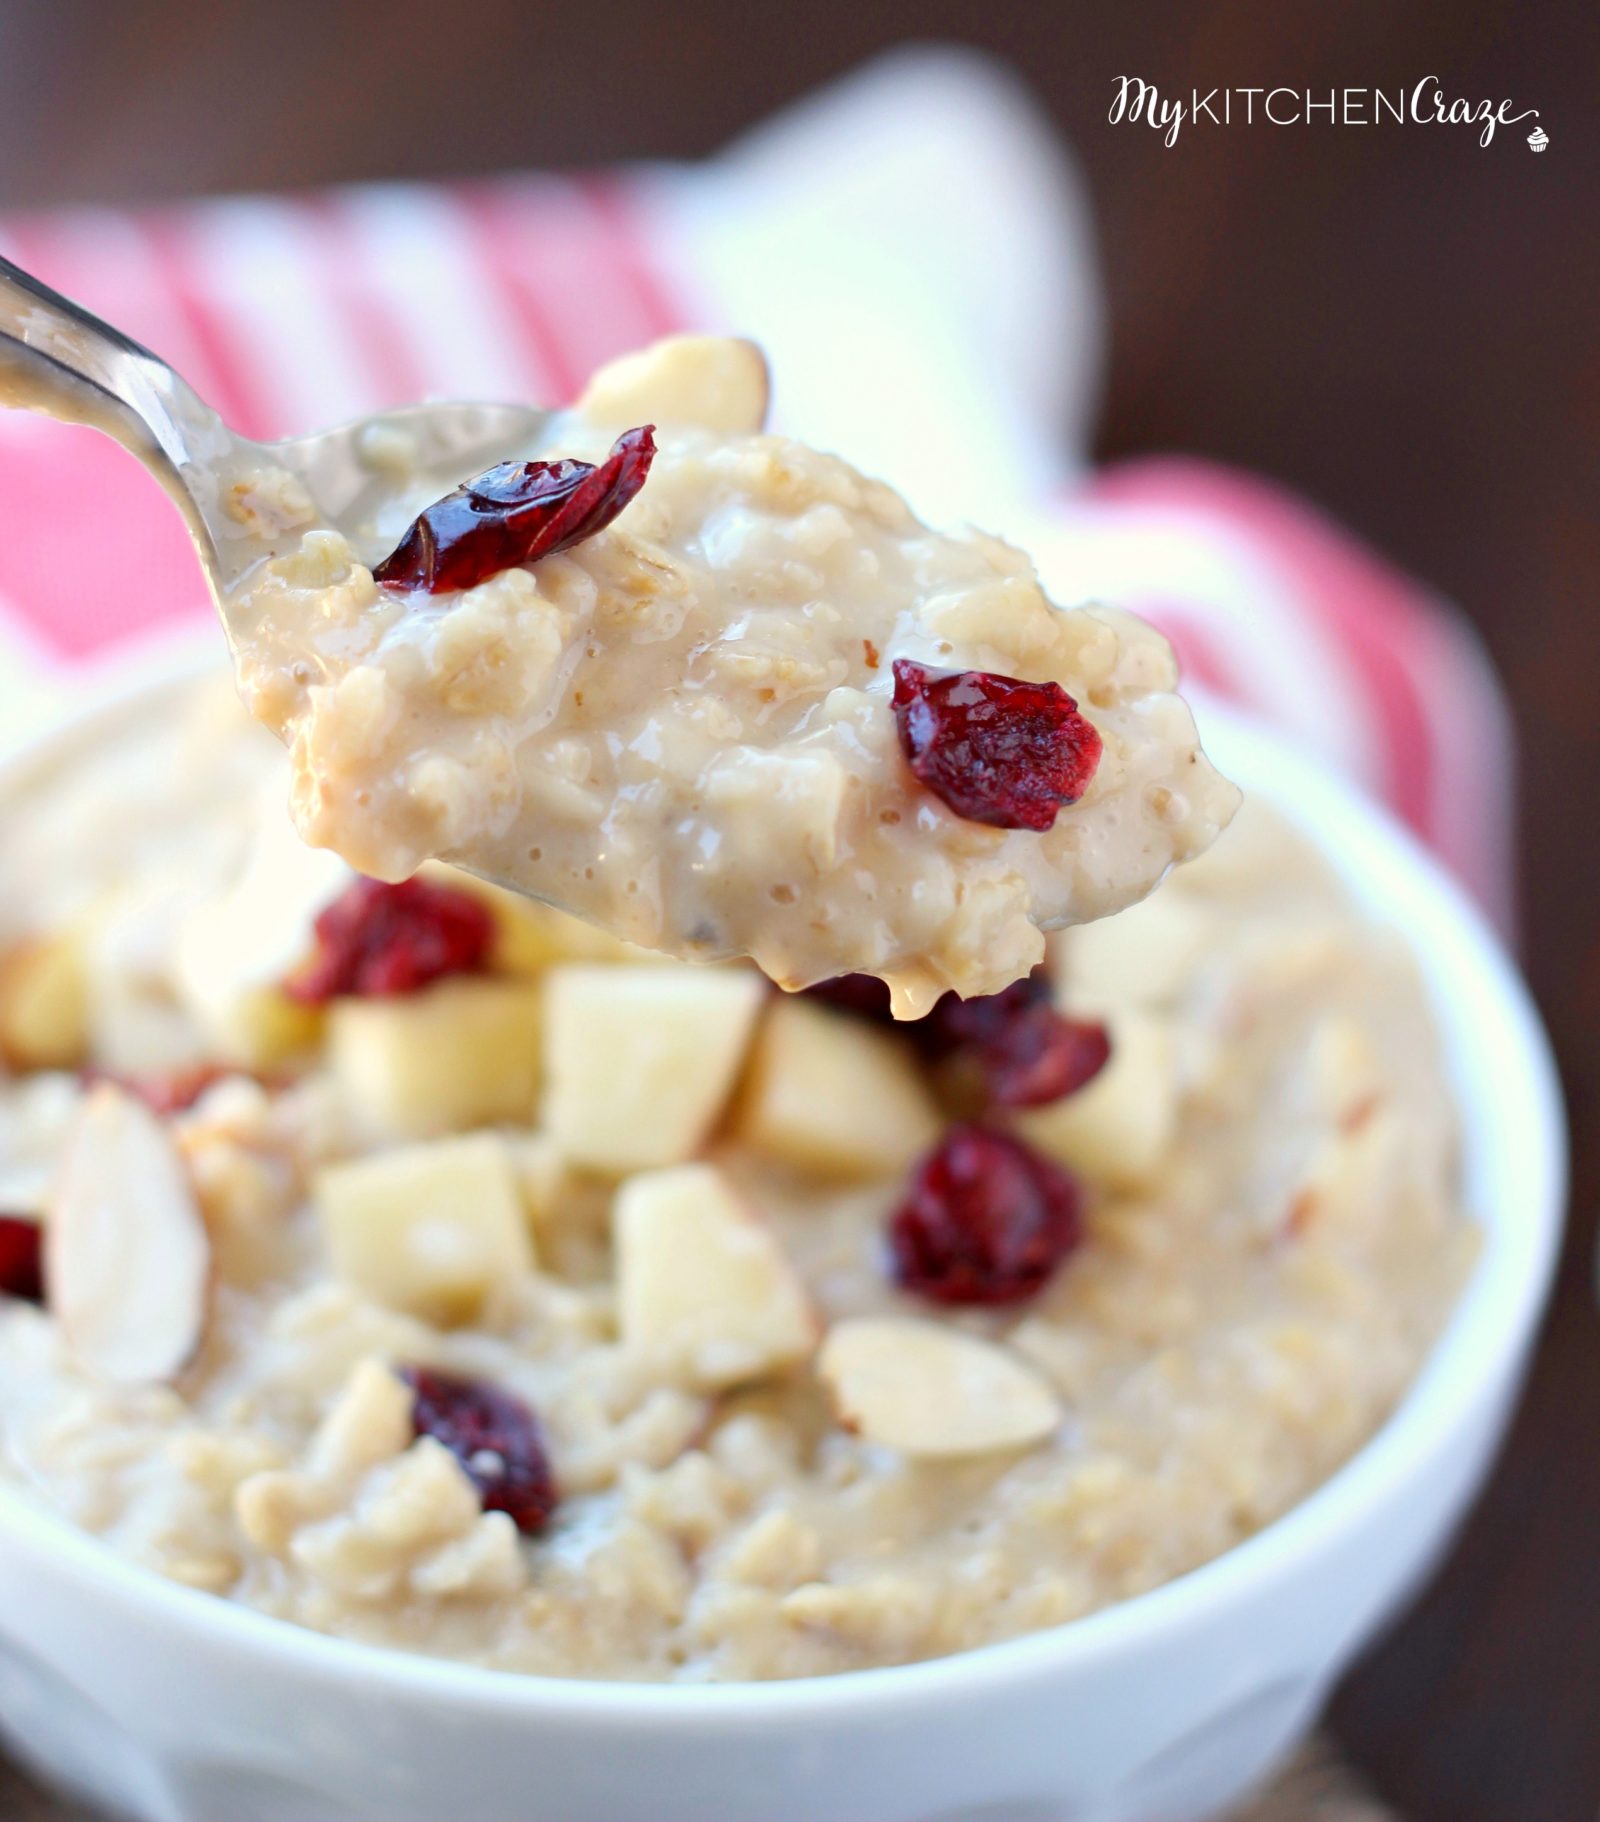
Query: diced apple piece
point(1118, 1129)
point(933, 1391)
point(639, 1062)
point(716, 382)
point(702, 1286)
point(127, 1257)
point(430, 1230)
point(829, 1094)
point(264, 1027)
point(44, 1016)
point(1138, 958)
point(233, 953)
point(463, 1052)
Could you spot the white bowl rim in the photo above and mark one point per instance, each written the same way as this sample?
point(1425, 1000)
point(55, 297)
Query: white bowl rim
point(1492, 1323)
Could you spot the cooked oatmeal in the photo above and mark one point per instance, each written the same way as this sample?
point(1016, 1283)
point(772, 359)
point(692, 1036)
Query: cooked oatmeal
point(577, 1311)
point(681, 726)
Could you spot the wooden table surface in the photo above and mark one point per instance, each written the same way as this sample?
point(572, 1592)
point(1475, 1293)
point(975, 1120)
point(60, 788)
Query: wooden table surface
point(1394, 321)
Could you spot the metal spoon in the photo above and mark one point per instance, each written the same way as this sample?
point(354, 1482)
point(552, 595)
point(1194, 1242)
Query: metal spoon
point(59, 359)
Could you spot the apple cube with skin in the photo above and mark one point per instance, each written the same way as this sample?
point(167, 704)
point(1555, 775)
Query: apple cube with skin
point(829, 1094)
point(430, 1230)
point(703, 1288)
point(44, 1003)
point(461, 1053)
point(1118, 1130)
point(639, 1062)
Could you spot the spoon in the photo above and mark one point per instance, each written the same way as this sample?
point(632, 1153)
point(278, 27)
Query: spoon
point(713, 869)
point(59, 359)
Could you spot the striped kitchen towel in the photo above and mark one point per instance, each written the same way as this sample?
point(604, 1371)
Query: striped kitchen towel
point(913, 248)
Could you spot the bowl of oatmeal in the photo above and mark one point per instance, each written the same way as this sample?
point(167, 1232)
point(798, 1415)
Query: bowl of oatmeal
point(457, 1360)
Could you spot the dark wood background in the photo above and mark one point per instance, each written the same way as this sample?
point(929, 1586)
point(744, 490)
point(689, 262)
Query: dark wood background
point(1399, 324)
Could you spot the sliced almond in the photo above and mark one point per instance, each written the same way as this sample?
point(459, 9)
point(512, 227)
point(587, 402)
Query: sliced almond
point(127, 1259)
point(702, 1286)
point(932, 1391)
point(716, 382)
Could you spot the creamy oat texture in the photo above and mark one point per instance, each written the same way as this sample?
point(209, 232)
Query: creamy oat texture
point(680, 729)
point(624, 1190)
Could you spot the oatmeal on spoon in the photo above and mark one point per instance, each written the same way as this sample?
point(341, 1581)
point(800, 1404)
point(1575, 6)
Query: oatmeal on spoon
point(710, 689)
point(719, 694)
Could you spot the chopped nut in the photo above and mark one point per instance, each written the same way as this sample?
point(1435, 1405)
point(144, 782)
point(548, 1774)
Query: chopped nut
point(127, 1260)
point(933, 1391)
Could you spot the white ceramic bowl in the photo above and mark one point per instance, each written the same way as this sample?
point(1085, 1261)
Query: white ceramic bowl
point(173, 1706)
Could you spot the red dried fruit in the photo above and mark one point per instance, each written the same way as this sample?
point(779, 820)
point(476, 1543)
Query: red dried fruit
point(1043, 1057)
point(985, 1219)
point(516, 513)
point(863, 995)
point(494, 1436)
point(21, 1258)
point(1027, 1053)
point(376, 940)
point(958, 1024)
point(995, 749)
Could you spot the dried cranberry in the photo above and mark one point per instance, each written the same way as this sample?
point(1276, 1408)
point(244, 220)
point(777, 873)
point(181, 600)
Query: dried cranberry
point(985, 1219)
point(958, 1024)
point(1026, 1052)
point(1043, 1057)
point(1022, 1052)
point(863, 995)
point(493, 1435)
point(516, 513)
point(21, 1258)
point(995, 749)
point(377, 939)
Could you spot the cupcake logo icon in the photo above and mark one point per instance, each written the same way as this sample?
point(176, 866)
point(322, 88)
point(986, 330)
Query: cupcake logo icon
point(1538, 139)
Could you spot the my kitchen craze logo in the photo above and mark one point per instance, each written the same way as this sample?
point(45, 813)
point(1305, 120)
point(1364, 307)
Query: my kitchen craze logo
point(1424, 104)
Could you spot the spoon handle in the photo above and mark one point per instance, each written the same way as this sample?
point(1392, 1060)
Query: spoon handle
point(57, 358)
